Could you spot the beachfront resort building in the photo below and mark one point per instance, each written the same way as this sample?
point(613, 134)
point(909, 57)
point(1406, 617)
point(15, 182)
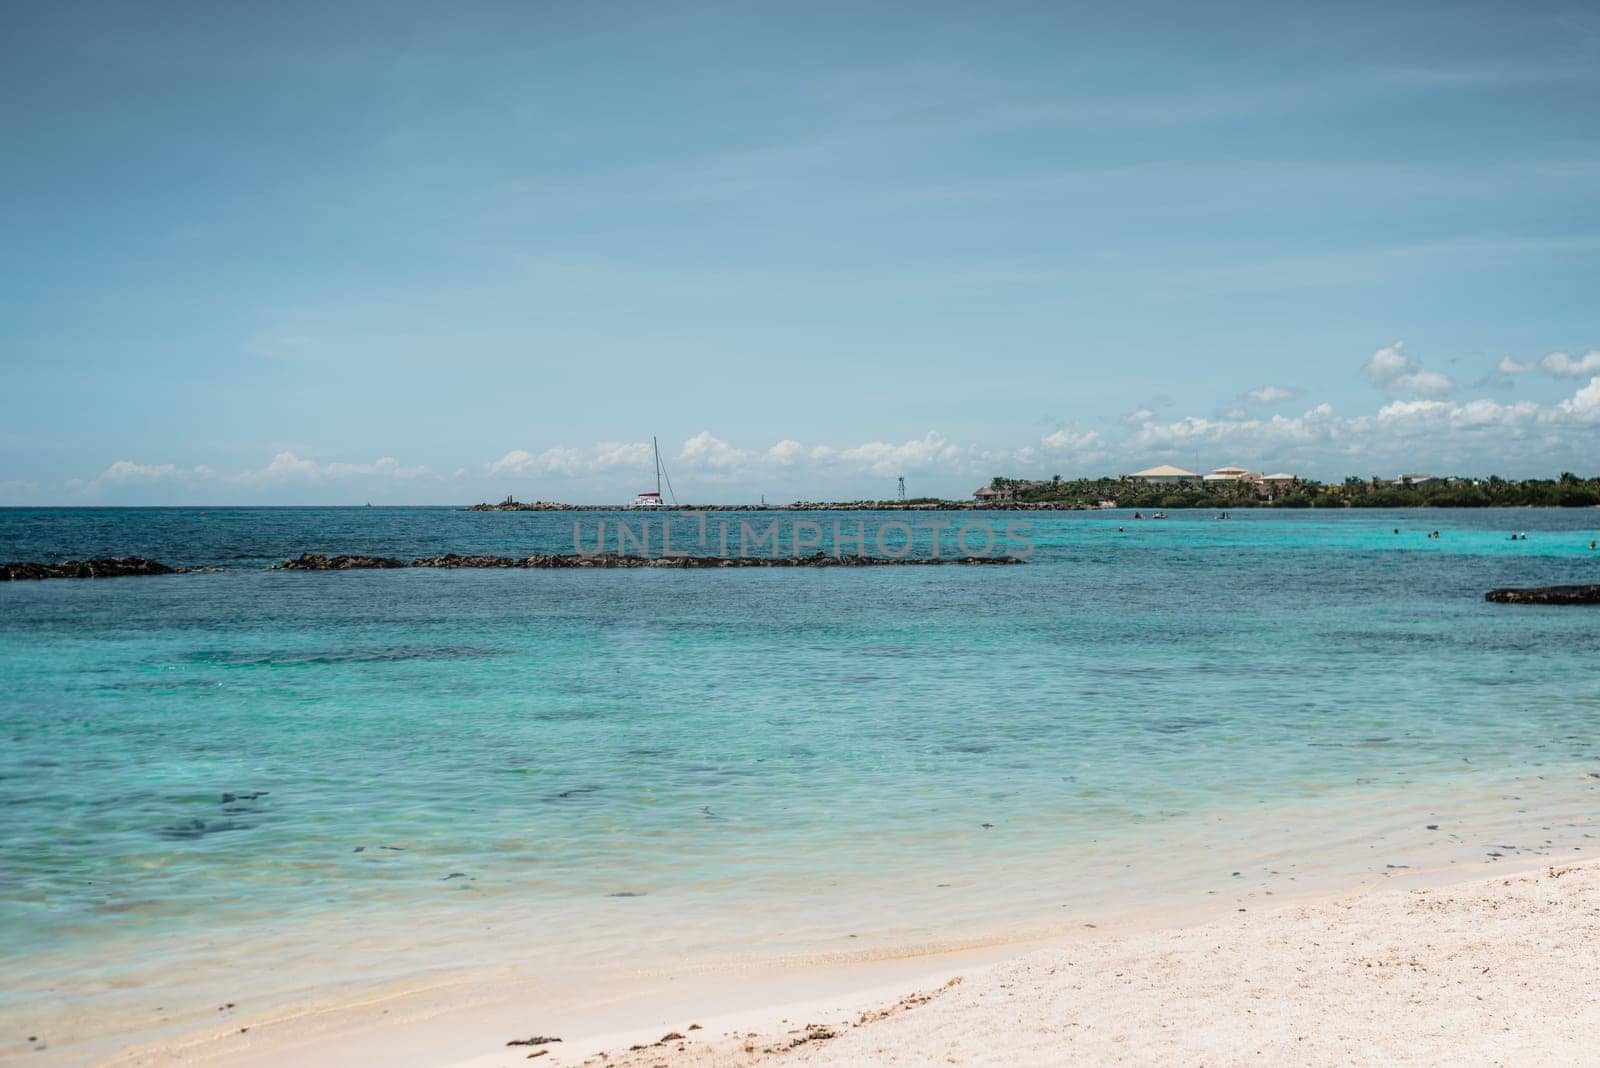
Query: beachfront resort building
point(992, 494)
point(1239, 478)
point(1165, 474)
point(1233, 474)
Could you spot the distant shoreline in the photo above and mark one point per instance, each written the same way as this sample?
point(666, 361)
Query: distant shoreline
point(975, 506)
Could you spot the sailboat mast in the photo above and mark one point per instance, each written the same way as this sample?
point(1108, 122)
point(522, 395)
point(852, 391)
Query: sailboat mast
point(656, 445)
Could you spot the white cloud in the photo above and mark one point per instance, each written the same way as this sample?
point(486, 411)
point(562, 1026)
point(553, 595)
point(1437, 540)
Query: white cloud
point(787, 452)
point(706, 450)
point(1391, 369)
point(1139, 415)
point(1270, 395)
point(124, 473)
point(1412, 432)
point(288, 467)
point(16, 487)
point(886, 459)
point(614, 454)
point(1584, 405)
point(1071, 441)
point(515, 462)
point(605, 456)
point(709, 457)
point(1559, 364)
point(128, 471)
point(1251, 436)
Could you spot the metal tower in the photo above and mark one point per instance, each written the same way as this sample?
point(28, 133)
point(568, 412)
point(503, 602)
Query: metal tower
point(900, 492)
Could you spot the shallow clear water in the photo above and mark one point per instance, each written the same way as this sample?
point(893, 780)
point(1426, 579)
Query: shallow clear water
point(756, 751)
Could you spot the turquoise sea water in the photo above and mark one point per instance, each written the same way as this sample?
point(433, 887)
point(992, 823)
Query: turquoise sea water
point(240, 756)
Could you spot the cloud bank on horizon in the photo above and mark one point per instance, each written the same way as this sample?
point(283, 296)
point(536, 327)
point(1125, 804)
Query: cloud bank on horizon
point(1418, 428)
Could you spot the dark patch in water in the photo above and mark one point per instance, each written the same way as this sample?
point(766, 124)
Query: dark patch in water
point(197, 828)
point(1178, 726)
point(576, 791)
point(968, 747)
point(290, 658)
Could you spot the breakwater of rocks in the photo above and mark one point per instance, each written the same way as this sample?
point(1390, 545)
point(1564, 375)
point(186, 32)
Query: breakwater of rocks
point(107, 567)
point(1546, 595)
point(319, 562)
point(124, 566)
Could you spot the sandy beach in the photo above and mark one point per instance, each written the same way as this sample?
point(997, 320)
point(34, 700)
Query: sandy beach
point(1420, 968)
point(1498, 971)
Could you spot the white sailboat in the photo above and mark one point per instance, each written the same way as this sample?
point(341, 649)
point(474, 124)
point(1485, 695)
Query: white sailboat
point(650, 499)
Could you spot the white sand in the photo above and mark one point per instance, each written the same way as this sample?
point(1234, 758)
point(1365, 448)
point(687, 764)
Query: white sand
point(1504, 971)
point(1497, 971)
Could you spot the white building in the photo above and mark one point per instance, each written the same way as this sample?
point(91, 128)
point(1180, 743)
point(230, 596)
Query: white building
point(1233, 474)
point(1165, 474)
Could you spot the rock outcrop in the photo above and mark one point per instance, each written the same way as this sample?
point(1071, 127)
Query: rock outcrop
point(109, 567)
point(318, 562)
point(1546, 595)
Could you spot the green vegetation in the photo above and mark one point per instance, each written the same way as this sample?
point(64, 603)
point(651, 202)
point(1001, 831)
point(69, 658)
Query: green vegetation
point(1568, 491)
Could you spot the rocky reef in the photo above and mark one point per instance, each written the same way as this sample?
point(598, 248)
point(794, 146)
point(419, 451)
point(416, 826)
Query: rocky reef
point(109, 567)
point(512, 505)
point(318, 562)
point(1546, 595)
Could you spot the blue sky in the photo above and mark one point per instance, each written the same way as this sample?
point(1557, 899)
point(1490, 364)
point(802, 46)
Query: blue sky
point(409, 253)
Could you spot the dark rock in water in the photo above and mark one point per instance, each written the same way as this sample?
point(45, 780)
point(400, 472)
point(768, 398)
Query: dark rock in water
point(318, 562)
point(110, 567)
point(457, 560)
point(195, 828)
point(1546, 595)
